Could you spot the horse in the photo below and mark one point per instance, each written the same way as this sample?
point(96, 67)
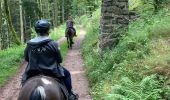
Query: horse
point(70, 33)
point(43, 88)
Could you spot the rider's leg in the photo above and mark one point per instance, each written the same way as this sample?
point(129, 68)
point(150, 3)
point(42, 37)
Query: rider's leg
point(68, 43)
point(74, 31)
point(71, 40)
point(67, 80)
point(68, 84)
point(24, 79)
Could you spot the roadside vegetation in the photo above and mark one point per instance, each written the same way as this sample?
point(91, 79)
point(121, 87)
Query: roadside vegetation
point(138, 67)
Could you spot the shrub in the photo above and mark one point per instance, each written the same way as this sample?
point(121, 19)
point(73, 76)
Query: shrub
point(125, 68)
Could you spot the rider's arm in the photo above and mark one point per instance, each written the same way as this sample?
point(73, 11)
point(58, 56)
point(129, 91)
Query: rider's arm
point(57, 52)
point(59, 57)
point(26, 54)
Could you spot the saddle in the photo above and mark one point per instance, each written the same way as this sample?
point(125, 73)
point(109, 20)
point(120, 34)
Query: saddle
point(70, 31)
point(63, 88)
point(60, 84)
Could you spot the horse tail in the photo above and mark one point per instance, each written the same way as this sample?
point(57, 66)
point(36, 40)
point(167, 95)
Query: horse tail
point(38, 94)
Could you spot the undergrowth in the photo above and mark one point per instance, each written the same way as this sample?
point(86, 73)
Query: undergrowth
point(138, 67)
point(58, 32)
point(9, 62)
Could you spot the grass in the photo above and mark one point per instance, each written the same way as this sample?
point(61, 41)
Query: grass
point(10, 61)
point(64, 49)
point(138, 67)
point(58, 32)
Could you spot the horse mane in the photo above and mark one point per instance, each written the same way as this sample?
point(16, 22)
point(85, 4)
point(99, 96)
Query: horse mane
point(38, 94)
point(43, 88)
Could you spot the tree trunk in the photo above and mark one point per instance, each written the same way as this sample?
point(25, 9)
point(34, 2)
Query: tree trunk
point(8, 38)
point(21, 22)
point(48, 11)
point(39, 7)
point(25, 27)
point(44, 8)
point(8, 18)
point(0, 26)
point(63, 2)
point(114, 18)
point(55, 13)
point(68, 8)
point(4, 29)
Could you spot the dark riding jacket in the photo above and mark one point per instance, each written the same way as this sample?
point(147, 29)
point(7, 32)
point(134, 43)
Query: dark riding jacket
point(43, 57)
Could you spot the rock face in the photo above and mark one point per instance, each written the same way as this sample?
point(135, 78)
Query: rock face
point(114, 18)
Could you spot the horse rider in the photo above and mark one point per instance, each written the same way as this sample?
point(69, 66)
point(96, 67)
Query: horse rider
point(44, 58)
point(70, 25)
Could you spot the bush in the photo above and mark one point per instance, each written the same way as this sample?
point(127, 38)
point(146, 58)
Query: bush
point(10, 62)
point(122, 73)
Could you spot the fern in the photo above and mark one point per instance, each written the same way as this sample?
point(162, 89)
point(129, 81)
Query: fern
point(147, 89)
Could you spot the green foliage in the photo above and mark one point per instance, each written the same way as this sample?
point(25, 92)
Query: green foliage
point(164, 30)
point(147, 89)
point(80, 7)
point(120, 74)
point(58, 32)
point(147, 7)
point(64, 49)
point(134, 4)
point(10, 59)
point(30, 7)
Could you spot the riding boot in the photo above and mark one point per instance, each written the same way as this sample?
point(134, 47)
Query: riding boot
point(24, 79)
point(73, 96)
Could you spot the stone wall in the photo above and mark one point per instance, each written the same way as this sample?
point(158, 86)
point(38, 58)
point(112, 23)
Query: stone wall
point(114, 17)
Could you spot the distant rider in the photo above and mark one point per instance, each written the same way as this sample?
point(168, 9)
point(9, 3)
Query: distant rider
point(70, 25)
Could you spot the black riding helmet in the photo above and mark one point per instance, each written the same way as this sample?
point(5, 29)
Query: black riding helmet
point(42, 26)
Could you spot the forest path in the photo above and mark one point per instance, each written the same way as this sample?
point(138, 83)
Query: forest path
point(73, 62)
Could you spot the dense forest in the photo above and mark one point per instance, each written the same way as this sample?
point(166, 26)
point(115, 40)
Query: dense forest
point(18, 16)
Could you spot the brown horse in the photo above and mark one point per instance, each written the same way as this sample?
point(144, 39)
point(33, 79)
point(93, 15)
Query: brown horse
point(70, 33)
point(43, 88)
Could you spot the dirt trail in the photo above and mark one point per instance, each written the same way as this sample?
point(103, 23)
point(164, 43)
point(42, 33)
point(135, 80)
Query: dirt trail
point(11, 90)
point(74, 63)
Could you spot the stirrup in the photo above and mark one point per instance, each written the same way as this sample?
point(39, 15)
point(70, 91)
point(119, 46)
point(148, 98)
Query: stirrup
point(73, 96)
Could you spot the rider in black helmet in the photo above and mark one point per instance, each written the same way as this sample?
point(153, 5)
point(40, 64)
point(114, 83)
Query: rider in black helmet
point(42, 27)
point(44, 57)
